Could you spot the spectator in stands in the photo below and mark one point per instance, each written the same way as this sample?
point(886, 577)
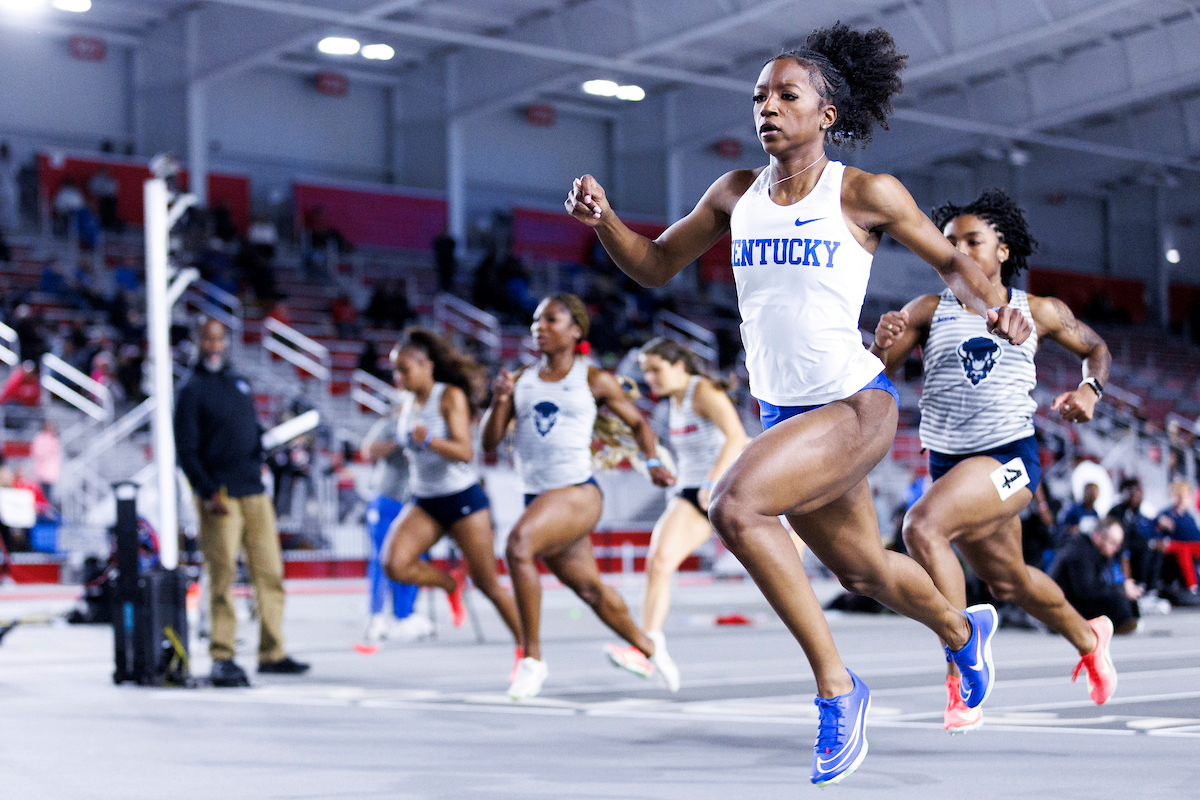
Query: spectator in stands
point(220, 451)
point(1037, 530)
point(322, 238)
point(1082, 517)
point(445, 260)
point(487, 289)
point(129, 372)
point(30, 336)
point(5, 251)
point(368, 362)
point(1084, 570)
point(128, 275)
point(104, 190)
point(1176, 520)
point(68, 202)
point(52, 280)
point(23, 386)
point(1138, 560)
point(47, 454)
point(9, 191)
point(256, 261)
point(345, 317)
point(389, 306)
point(518, 301)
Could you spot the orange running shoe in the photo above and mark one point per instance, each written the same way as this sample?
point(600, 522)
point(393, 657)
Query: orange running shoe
point(1101, 675)
point(958, 717)
point(520, 653)
point(458, 611)
point(630, 658)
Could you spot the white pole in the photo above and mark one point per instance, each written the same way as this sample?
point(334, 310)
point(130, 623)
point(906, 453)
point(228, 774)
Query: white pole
point(158, 329)
point(456, 170)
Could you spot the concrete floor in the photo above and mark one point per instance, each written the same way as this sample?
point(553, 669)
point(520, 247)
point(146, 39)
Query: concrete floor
point(429, 720)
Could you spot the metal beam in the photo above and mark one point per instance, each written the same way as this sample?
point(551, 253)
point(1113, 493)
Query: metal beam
point(272, 53)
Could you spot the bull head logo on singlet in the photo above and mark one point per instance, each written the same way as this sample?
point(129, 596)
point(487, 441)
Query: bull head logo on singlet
point(978, 357)
point(545, 414)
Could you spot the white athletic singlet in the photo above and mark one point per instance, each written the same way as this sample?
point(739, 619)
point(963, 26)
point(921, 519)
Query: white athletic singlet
point(696, 440)
point(553, 436)
point(976, 393)
point(429, 474)
point(801, 277)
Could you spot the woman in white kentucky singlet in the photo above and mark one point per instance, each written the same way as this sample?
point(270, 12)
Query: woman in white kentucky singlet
point(434, 428)
point(706, 435)
point(551, 409)
point(977, 423)
point(800, 261)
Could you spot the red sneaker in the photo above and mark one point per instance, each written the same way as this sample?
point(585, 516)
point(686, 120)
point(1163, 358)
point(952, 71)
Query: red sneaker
point(458, 611)
point(1101, 675)
point(958, 718)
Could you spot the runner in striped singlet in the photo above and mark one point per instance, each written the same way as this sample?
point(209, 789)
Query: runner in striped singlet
point(707, 436)
point(434, 428)
point(977, 423)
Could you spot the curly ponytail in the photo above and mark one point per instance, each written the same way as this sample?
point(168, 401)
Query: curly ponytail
point(449, 365)
point(857, 73)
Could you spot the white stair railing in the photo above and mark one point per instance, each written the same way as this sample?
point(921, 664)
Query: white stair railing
point(369, 391)
point(454, 316)
point(298, 350)
point(82, 485)
point(215, 303)
point(99, 406)
point(698, 339)
point(10, 350)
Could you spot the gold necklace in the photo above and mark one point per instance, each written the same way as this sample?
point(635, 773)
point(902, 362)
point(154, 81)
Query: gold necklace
point(789, 177)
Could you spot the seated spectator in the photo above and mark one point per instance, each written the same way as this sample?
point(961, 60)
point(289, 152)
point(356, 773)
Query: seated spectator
point(345, 317)
point(368, 362)
point(104, 189)
point(68, 201)
point(1176, 521)
point(1138, 559)
point(322, 238)
point(445, 261)
point(47, 454)
point(128, 275)
point(1082, 517)
point(389, 306)
point(23, 386)
point(52, 280)
point(1084, 570)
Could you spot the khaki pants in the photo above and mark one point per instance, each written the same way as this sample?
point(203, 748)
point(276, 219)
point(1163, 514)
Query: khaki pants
point(249, 523)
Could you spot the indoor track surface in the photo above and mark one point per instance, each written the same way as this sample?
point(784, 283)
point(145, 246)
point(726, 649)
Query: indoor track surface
point(430, 720)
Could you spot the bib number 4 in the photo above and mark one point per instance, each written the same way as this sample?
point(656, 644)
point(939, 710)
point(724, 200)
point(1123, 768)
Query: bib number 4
point(1010, 478)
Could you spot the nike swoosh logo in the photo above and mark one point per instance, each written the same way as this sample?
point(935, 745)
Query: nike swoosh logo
point(978, 665)
point(805, 222)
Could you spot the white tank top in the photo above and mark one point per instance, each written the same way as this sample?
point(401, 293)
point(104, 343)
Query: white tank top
point(696, 440)
point(801, 278)
point(976, 392)
point(553, 436)
point(429, 474)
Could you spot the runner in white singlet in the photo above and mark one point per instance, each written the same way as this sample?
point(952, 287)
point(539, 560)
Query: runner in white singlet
point(804, 229)
point(551, 409)
point(434, 428)
point(977, 423)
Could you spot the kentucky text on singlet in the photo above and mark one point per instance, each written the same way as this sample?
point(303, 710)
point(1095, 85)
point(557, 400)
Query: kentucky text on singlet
point(431, 475)
point(553, 434)
point(976, 391)
point(801, 278)
point(696, 440)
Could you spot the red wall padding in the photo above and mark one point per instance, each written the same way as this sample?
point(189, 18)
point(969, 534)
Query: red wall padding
point(380, 218)
point(1078, 290)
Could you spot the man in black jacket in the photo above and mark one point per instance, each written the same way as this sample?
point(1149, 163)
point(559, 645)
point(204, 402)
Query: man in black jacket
point(219, 446)
point(1087, 571)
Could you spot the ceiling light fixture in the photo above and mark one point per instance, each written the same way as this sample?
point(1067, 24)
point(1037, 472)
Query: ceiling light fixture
point(338, 46)
point(24, 7)
point(601, 88)
point(631, 93)
point(378, 52)
point(75, 6)
point(1173, 256)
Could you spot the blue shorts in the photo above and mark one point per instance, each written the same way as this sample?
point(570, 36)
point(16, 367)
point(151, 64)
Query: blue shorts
point(450, 508)
point(691, 494)
point(529, 498)
point(1024, 449)
point(772, 415)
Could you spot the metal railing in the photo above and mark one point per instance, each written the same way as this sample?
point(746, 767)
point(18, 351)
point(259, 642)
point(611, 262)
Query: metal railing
point(453, 316)
point(82, 485)
point(215, 303)
point(10, 351)
point(369, 391)
point(697, 338)
point(100, 406)
point(299, 350)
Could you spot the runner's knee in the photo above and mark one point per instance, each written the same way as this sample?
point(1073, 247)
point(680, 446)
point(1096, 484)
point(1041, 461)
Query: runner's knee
point(519, 548)
point(921, 530)
point(729, 511)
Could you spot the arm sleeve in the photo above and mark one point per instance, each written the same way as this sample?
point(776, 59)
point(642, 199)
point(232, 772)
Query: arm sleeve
point(187, 443)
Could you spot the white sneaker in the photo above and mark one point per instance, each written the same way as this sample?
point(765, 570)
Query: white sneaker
point(377, 628)
point(664, 665)
point(411, 628)
point(531, 673)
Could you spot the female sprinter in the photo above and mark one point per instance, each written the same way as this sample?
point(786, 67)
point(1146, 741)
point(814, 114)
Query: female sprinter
point(707, 436)
point(977, 423)
point(552, 407)
point(434, 428)
point(804, 229)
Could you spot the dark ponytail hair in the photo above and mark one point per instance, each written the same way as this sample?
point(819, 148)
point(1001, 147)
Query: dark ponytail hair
point(995, 207)
point(673, 352)
point(449, 365)
point(856, 72)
